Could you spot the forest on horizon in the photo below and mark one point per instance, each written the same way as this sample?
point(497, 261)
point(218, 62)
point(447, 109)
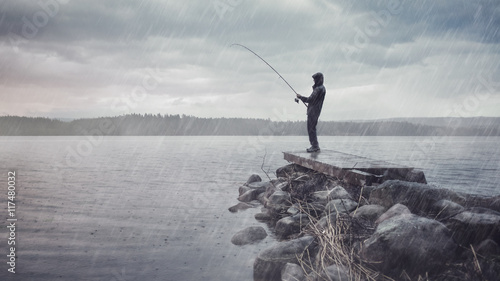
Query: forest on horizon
point(182, 125)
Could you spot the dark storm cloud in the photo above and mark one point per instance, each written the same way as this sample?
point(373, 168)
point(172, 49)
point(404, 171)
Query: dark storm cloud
point(419, 48)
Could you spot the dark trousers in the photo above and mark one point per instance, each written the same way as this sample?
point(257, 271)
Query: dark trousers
point(312, 121)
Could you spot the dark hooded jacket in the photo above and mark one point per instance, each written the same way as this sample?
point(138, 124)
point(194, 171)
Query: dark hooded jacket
point(315, 100)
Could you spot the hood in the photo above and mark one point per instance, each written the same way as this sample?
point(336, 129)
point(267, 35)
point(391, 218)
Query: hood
point(318, 79)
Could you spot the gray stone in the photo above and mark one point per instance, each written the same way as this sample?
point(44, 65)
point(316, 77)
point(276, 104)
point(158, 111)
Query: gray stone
point(249, 235)
point(446, 208)
point(250, 195)
point(240, 207)
point(292, 272)
point(279, 202)
point(270, 262)
point(472, 228)
point(368, 212)
point(488, 248)
point(293, 210)
point(326, 221)
point(411, 243)
point(261, 186)
point(243, 189)
point(394, 211)
point(324, 196)
point(264, 216)
point(290, 225)
point(276, 186)
point(419, 198)
point(334, 273)
point(340, 206)
point(253, 178)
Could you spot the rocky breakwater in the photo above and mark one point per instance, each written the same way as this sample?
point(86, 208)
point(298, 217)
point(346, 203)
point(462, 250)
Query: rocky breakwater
point(327, 229)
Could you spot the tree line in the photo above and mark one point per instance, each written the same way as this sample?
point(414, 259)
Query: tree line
point(182, 125)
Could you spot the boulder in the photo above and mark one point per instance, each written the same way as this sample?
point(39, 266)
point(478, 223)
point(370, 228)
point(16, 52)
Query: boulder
point(261, 186)
point(250, 195)
point(253, 178)
point(293, 210)
point(314, 209)
point(270, 262)
point(251, 191)
point(249, 235)
point(240, 207)
point(264, 198)
point(368, 212)
point(488, 248)
point(340, 206)
point(290, 225)
point(243, 189)
point(263, 216)
point(334, 273)
point(473, 227)
point(279, 202)
point(411, 243)
point(419, 198)
point(446, 208)
point(324, 196)
point(394, 211)
point(292, 272)
point(326, 221)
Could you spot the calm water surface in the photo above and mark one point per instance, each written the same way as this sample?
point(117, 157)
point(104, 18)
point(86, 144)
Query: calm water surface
point(155, 208)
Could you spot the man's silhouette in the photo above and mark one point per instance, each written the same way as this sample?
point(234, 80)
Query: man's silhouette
point(314, 105)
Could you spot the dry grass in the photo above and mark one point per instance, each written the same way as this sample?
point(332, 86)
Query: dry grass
point(336, 246)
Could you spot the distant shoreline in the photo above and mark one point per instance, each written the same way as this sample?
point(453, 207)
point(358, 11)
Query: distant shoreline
point(176, 125)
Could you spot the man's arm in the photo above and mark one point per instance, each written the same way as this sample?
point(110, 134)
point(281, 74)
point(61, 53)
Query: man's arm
point(310, 98)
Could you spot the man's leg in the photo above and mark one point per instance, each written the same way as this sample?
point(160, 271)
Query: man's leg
point(312, 121)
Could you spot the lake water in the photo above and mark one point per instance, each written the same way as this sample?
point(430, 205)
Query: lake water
point(155, 208)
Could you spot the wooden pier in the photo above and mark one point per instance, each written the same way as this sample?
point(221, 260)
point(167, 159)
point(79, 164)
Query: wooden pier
point(356, 170)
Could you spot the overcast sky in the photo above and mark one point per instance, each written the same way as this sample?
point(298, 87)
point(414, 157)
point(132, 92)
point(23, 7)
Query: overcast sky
point(380, 59)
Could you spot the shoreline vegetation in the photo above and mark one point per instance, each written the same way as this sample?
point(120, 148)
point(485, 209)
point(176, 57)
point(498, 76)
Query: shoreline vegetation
point(329, 229)
point(182, 125)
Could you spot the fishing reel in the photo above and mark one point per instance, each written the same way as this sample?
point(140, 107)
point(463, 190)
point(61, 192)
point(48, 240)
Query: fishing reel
point(296, 100)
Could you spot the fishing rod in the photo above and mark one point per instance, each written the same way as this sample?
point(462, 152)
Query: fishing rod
point(296, 100)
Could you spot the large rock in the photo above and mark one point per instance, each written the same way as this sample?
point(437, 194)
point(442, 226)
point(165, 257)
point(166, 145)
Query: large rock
point(411, 243)
point(473, 227)
point(446, 208)
point(279, 202)
point(250, 195)
point(270, 262)
point(251, 191)
point(324, 196)
point(241, 207)
point(394, 211)
point(333, 273)
point(263, 216)
point(329, 220)
point(340, 206)
point(368, 212)
point(249, 235)
point(419, 198)
point(253, 178)
point(292, 272)
point(290, 225)
point(276, 186)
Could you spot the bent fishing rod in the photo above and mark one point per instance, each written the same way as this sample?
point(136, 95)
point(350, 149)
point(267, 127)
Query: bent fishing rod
point(296, 100)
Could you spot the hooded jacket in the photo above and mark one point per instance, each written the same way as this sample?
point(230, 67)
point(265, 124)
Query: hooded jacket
point(315, 100)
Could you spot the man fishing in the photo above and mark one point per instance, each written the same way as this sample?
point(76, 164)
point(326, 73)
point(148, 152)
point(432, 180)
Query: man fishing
point(315, 103)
